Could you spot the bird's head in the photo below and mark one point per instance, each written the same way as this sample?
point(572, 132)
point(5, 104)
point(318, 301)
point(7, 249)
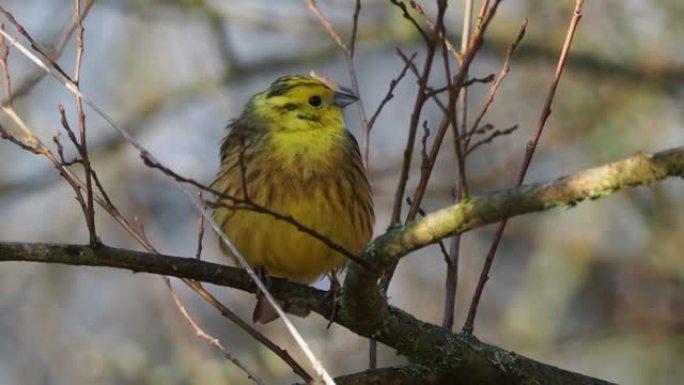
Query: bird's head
point(296, 103)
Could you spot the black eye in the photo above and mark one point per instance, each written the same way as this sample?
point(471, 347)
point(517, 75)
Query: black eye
point(315, 101)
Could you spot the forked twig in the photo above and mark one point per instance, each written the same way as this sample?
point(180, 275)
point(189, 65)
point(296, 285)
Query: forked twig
point(389, 95)
point(405, 13)
point(83, 146)
point(505, 69)
point(473, 47)
point(491, 137)
point(420, 100)
point(449, 47)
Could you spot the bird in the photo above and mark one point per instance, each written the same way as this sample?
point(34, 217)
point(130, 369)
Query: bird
point(289, 152)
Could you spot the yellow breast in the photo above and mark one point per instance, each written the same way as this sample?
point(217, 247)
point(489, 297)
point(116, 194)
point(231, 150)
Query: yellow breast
point(312, 178)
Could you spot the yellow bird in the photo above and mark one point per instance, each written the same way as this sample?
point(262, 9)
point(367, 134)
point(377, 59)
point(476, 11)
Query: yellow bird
point(291, 152)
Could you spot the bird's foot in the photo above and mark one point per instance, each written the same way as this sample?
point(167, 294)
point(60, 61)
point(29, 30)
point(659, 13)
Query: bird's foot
point(334, 295)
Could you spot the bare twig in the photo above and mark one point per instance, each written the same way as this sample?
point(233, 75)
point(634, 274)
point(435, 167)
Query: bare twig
point(491, 137)
point(199, 332)
point(226, 312)
point(474, 46)
point(83, 146)
point(393, 84)
point(355, 27)
point(529, 152)
point(34, 44)
point(200, 228)
point(450, 47)
point(421, 97)
point(460, 189)
point(349, 57)
point(140, 236)
point(400, 4)
point(483, 80)
point(313, 7)
point(429, 91)
point(449, 118)
point(442, 248)
point(423, 145)
point(60, 151)
point(505, 69)
point(4, 53)
point(54, 52)
point(5, 134)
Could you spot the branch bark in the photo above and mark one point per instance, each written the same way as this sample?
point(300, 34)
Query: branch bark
point(436, 354)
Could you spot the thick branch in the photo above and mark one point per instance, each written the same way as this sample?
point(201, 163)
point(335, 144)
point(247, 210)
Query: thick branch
point(594, 183)
point(366, 312)
point(434, 352)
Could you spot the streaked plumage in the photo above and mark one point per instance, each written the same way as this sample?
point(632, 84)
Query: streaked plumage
point(292, 151)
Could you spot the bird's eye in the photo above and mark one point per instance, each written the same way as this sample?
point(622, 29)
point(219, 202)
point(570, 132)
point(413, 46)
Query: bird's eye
point(315, 101)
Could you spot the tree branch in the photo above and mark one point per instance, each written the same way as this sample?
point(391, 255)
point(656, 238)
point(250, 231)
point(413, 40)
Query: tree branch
point(593, 183)
point(433, 351)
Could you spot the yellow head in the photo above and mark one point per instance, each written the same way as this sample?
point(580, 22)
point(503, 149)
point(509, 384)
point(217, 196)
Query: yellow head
point(296, 103)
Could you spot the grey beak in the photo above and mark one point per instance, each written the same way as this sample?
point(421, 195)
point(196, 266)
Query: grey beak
point(342, 99)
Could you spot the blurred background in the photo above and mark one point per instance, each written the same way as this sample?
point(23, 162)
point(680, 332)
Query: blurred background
point(598, 288)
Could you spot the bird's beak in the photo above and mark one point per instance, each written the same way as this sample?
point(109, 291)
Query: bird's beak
point(342, 99)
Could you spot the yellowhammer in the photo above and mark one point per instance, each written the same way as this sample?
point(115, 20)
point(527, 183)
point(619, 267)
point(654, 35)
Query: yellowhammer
point(291, 150)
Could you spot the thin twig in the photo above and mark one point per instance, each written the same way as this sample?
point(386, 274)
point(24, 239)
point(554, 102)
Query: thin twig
point(349, 57)
point(83, 146)
point(429, 91)
point(226, 312)
point(313, 7)
point(5, 134)
point(423, 145)
point(200, 228)
point(442, 248)
point(355, 27)
point(474, 46)
point(450, 47)
point(460, 189)
point(4, 54)
point(491, 137)
point(33, 43)
point(421, 97)
point(405, 13)
point(529, 152)
point(505, 69)
point(199, 332)
point(483, 80)
point(57, 47)
point(389, 95)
